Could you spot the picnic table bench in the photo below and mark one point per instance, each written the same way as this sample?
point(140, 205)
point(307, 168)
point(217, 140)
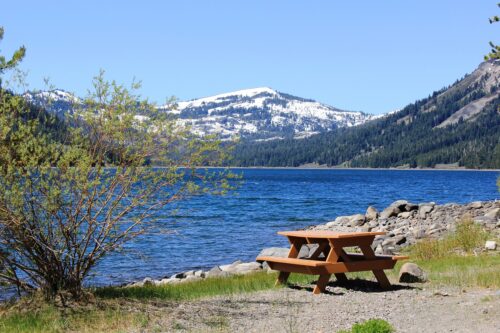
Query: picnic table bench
point(335, 260)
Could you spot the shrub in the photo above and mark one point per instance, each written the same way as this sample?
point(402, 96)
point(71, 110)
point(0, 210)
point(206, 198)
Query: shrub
point(469, 235)
point(371, 326)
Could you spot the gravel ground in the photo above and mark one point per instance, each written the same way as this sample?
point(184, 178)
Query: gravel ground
point(415, 308)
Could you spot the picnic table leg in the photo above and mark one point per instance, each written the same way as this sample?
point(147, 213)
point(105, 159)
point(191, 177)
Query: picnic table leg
point(379, 273)
point(325, 248)
point(295, 245)
point(321, 284)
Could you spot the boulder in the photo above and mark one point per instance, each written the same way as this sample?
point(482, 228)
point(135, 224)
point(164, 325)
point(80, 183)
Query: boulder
point(411, 273)
point(246, 268)
point(425, 209)
point(342, 220)
point(494, 213)
point(390, 212)
point(148, 282)
point(274, 252)
point(356, 220)
point(411, 207)
point(371, 213)
point(476, 204)
point(199, 273)
point(192, 278)
point(490, 245)
point(401, 204)
point(216, 272)
point(178, 276)
point(230, 268)
point(405, 215)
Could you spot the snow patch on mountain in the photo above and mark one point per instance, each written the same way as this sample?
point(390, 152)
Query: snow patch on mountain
point(261, 114)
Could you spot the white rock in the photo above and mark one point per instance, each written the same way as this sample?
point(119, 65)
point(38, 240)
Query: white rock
point(490, 245)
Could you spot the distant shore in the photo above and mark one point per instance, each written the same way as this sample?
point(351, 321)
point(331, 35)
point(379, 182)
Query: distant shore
point(351, 168)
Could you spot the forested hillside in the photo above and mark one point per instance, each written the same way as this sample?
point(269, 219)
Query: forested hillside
point(458, 124)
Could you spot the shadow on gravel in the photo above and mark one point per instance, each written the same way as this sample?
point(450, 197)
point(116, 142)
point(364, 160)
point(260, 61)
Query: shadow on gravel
point(353, 285)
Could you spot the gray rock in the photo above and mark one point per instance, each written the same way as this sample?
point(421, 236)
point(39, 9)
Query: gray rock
point(199, 273)
point(423, 210)
point(216, 272)
point(178, 276)
point(405, 215)
point(230, 268)
point(371, 213)
point(476, 204)
point(390, 212)
point(192, 278)
point(484, 220)
point(490, 245)
point(343, 220)
point(494, 213)
point(411, 273)
point(274, 252)
point(246, 268)
point(400, 240)
point(148, 282)
point(411, 207)
point(401, 204)
point(356, 220)
point(331, 224)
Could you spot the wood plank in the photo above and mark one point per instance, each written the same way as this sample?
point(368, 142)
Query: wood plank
point(327, 234)
point(290, 268)
point(293, 261)
point(359, 266)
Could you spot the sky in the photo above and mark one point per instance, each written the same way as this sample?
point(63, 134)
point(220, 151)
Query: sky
point(371, 56)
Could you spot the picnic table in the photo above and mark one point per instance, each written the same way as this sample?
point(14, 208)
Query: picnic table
point(335, 259)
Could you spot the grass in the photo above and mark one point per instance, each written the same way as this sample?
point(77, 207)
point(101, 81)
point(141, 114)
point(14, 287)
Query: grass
point(467, 238)
point(49, 319)
point(371, 326)
point(203, 288)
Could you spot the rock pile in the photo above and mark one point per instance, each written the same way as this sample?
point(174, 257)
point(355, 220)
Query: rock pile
point(405, 222)
point(237, 267)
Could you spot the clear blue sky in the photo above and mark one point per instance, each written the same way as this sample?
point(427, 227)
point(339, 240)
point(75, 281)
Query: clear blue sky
point(373, 56)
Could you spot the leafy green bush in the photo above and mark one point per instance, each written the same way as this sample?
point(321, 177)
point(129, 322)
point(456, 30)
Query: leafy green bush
point(371, 326)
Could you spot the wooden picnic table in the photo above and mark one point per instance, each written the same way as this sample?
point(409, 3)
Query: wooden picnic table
point(335, 261)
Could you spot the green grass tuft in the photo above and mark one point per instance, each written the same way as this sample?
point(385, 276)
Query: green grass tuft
point(371, 326)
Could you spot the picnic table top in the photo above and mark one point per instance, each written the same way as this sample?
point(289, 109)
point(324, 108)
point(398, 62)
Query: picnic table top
point(328, 234)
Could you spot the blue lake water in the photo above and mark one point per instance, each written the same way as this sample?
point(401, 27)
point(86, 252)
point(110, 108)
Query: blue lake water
point(207, 231)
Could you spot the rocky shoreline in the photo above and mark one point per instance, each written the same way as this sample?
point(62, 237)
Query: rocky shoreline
point(404, 222)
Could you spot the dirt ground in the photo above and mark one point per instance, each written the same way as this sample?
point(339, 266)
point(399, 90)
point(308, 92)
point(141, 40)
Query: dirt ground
point(411, 308)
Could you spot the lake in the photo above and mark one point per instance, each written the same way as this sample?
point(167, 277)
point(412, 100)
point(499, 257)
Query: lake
point(207, 231)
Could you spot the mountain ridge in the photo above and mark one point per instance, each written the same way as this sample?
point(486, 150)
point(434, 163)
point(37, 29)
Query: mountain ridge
point(459, 124)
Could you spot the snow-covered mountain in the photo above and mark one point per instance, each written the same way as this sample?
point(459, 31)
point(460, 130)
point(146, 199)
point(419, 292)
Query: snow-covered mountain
point(57, 101)
point(254, 114)
point(262, 114)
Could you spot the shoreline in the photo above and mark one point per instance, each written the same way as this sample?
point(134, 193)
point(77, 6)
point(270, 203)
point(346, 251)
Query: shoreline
point(350, 168)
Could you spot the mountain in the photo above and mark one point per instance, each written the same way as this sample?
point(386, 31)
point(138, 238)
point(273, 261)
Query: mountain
point(458, 125)
point(254, 114)
point(56, 101)
point(262, 114)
